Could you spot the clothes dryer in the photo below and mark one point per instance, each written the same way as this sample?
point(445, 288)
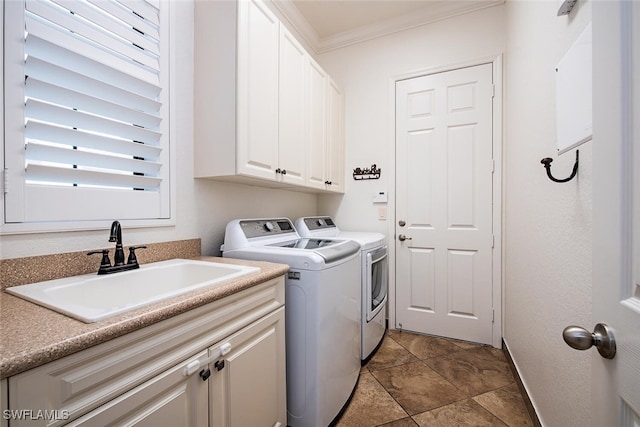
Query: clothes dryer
point(322, 313)
point(374, 273)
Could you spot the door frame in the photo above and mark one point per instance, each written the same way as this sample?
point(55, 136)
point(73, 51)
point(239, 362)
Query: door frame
point(498, 274)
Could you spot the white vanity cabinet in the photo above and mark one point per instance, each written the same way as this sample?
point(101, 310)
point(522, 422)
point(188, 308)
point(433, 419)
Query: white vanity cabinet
point(172, 372)
point(253, 100)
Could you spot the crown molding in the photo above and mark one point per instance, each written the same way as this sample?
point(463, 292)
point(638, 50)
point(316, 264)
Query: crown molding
point(436, 11)
point(297, 22)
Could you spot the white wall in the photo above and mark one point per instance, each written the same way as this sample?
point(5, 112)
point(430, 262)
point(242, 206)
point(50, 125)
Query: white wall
point(365, 71)
point(203, 207)
point(548, 225)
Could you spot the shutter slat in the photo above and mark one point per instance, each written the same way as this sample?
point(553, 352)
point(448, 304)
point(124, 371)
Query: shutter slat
point(116, 9)
point(77, 138)
point(76, 119)
point(115, 26)
point(66, 156)
point(37, 89)
point(49, 52)
point(143, 9)
point(36, 173)
point(71, 31)
point(83, 49)
point(63, 77)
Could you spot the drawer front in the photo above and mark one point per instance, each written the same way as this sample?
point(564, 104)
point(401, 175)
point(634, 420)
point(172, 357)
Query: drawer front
point(81, 382)
point(169, 399)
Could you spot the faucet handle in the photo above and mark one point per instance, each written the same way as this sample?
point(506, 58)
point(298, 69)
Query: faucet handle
point(105, 262)
point(132, 254)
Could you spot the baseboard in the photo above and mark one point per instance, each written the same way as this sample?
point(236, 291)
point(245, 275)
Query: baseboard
point(525, 396)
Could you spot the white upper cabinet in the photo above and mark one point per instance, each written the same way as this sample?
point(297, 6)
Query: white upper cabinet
point(317, 126)
point(292, 145)
point(257, 90)
point(335, 137)
point(262, 105)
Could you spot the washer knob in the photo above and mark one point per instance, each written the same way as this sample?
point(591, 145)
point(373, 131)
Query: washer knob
point(320, 223)
point(268, 226)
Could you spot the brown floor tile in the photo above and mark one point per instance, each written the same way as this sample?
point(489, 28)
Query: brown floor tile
point(424, 346)
point(474, 371)
point(416, 387)
point(507, 404)
point(390, 354)
point(405, 422)
point(456, 383)
point(463, 413)
point(371, 405)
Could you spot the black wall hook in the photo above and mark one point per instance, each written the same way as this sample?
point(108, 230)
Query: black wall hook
point(547, 165)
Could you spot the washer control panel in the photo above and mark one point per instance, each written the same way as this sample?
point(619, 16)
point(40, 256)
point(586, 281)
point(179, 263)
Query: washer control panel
point(266, 227)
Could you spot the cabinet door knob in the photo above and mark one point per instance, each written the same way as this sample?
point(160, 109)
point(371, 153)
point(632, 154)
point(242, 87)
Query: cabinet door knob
point(205, 374)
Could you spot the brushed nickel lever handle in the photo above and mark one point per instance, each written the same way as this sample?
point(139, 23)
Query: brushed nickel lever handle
point(402, 238)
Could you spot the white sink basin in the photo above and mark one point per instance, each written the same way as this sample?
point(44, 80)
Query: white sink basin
point(91, 298)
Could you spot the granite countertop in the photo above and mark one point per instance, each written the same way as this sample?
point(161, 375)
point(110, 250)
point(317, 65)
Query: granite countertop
point(31, 335)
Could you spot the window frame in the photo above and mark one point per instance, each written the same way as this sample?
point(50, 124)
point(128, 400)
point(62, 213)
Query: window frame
point(75, 224)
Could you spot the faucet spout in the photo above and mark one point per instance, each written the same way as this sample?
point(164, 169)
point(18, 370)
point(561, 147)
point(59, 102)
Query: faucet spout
point(116, 232)
point(116, 236)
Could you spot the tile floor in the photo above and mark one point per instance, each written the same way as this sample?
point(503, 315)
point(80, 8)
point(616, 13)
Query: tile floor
point(418, 380)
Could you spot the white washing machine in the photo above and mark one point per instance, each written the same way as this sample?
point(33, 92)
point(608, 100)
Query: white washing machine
point(322, 313)
point(374, 275)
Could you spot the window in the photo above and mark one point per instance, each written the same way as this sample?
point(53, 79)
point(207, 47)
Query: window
point(86, 110)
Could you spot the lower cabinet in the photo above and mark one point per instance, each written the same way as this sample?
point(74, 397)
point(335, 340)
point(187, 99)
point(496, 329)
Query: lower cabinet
point(219, 365)
point(248, 386)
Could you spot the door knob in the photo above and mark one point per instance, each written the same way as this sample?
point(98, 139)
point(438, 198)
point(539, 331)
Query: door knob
point(581, 339)
point(402, 238)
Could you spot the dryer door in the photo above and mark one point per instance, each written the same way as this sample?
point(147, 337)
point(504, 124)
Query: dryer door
point(377, 273)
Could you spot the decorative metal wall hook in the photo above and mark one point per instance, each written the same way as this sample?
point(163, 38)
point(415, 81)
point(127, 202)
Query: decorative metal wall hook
point(547, 165)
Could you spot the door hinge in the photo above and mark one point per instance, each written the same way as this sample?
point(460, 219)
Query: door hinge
point(493, 315)
point(493, 165)
point(5, 185)
point(493, 240)
point(493, 91)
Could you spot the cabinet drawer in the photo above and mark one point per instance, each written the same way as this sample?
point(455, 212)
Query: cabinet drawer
point(169, 399)
point(81, 382)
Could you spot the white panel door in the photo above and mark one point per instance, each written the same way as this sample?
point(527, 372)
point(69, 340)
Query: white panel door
point(444, 204)
point(257, 128)
point(616, 210)
point(293, 109)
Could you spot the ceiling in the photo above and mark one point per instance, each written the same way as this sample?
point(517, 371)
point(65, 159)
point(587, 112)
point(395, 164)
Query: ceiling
point(330, 24)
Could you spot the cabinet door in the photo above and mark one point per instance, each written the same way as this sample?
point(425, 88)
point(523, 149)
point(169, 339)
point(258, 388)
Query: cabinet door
point(250, 388)
point(257, 90)
point(316, 126)
point(292, 109)
point(335, 138)
point(170, 399)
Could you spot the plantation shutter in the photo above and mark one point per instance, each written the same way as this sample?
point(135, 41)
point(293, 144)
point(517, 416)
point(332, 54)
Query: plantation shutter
point(92, 128)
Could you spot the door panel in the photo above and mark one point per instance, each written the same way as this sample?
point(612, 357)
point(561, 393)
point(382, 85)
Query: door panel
point(616, 209)
point(444, 166)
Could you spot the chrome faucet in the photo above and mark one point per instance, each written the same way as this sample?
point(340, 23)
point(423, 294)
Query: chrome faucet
point(118, 257)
